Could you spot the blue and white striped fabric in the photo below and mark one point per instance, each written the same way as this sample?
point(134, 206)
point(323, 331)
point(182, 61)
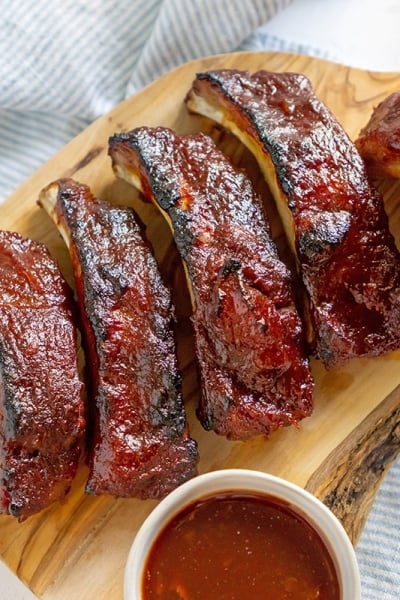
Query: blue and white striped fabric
point(66, 62)
point(378, 550)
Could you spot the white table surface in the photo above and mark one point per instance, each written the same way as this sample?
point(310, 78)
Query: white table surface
point(359, 33)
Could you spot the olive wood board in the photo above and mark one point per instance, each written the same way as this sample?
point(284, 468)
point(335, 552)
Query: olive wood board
point(78, 549)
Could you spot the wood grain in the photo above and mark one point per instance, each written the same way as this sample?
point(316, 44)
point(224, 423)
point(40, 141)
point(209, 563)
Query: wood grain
point(78, 549)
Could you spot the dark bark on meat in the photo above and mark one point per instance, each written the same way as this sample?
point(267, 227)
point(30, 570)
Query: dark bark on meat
point(141, 445)
point(379, 141)
point(248, 336)
point(42, 412)
point(335, 219)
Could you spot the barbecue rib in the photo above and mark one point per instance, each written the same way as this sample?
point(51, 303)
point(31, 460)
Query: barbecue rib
point(141, 445)
point(334, 220)
point(248, 335)
point(42, 411)
point(379, 141)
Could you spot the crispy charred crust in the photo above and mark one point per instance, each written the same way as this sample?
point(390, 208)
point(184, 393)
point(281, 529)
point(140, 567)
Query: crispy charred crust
point(141, 444)
point(42, 411)
point(334, 219)
point(248, 336)
point(379, 141)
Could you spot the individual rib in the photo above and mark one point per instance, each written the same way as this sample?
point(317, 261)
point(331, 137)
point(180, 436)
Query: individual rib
point(42, 410)
point(255, 376)
point(379, 141)
point(334, 220)
point(141, 445)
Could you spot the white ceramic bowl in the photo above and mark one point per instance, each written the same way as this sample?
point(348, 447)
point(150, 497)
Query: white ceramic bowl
point(317, 514)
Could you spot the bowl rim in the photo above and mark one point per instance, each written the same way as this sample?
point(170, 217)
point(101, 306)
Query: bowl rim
point(236, 479)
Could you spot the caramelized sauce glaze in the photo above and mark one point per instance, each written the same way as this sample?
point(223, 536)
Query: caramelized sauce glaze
point(141, 444)
point(346, 255)
point(42, 410)
point(248, 335)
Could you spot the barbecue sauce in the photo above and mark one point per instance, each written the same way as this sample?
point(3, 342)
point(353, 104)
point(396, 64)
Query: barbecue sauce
point(239, 546)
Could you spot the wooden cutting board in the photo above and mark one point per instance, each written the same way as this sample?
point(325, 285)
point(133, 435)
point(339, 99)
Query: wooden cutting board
point(78, 550)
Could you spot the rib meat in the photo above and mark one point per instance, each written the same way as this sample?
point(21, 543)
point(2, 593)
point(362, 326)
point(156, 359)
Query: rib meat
point(42, 411)
point(141, 445)
point(379, 141)
point(248, 335)
point(334, 220)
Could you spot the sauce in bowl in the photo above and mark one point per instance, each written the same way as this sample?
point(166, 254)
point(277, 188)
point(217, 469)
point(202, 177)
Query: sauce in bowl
point(239, 546)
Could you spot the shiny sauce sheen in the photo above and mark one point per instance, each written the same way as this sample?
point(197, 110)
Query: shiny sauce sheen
point(239, 546)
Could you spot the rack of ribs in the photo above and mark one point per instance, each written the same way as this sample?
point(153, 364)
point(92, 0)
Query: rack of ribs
point(334, 219)
point(379, 141)
point(42, 408)
point(140, 442)
point(255, 376)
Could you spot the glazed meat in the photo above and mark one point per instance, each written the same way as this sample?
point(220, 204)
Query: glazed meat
point(379, 141)
point(141, 447)
point(248, 336)
point(334, 220)
point(42, 411)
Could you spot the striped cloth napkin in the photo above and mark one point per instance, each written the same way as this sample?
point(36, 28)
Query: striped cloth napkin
point(66, 62)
